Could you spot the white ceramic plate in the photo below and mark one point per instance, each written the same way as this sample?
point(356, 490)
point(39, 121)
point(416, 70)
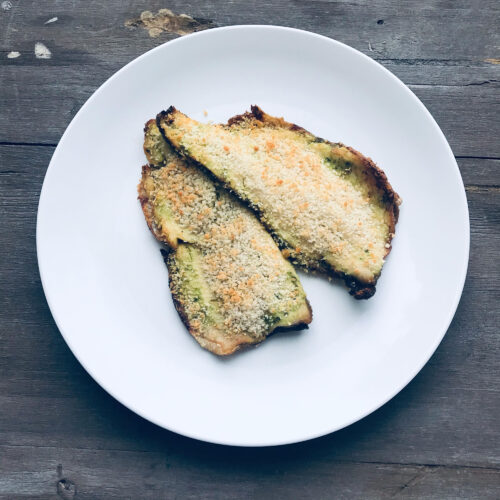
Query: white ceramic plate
point(106, 283)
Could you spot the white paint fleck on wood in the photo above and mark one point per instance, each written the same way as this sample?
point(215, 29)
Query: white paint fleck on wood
point(42, 51)
point(13, 54)
point(51, 20)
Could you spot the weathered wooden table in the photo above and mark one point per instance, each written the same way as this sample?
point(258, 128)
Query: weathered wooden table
point(62, 436)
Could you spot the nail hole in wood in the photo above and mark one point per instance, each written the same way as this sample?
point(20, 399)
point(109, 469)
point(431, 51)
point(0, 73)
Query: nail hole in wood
point(66, 489)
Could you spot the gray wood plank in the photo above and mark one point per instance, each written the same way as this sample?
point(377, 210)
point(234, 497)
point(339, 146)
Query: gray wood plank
point(396, 30)
point(115, 474)
point(448, 69)
point(479, 172)
point(466, 114)
point(48, 400)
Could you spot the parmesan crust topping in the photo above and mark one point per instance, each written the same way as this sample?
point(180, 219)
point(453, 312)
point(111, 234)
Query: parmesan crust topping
point(237, 276)
point(310, 193)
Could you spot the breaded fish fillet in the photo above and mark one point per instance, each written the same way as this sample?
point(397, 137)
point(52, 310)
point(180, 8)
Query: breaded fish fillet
point(329, 207)
point(229, 281)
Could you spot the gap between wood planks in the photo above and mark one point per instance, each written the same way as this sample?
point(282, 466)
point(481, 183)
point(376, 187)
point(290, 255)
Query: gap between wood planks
point(434, 62)
point(492, 188)
point(435, 85)
point(353, 462)
point(462, 157)
point(54, 145)
point(43, 144)
point(473, 188)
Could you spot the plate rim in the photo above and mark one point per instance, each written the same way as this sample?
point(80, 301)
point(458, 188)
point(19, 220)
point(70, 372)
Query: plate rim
point(304, 436)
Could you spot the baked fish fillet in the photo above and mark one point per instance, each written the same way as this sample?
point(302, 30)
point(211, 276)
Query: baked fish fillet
point(329, 207)
point(229, 281)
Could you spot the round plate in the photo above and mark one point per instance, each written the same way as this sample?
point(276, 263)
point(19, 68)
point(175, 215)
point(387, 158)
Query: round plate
point(106, 283)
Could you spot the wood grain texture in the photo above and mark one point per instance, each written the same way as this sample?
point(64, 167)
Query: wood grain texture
point(447, 68)
point(153, 475)
point(62, 436)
